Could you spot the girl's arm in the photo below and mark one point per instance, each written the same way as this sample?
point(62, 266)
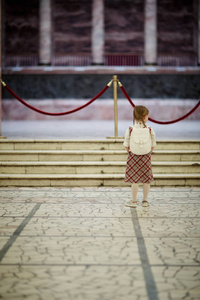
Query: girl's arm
point(126, 143)
point(153, 139)
point(127, 149)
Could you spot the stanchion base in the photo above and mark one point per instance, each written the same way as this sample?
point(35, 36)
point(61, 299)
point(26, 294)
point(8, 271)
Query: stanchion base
point(115, 137)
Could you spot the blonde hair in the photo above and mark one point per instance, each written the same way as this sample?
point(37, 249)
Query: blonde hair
point(139, 113)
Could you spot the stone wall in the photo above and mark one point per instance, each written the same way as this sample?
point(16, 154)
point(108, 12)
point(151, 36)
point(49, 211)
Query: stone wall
point(21, 29)
point(71, 26)
point(124, 26)
point(176, 26)
point(167, 96)
point(86, 86)
point(160, 109)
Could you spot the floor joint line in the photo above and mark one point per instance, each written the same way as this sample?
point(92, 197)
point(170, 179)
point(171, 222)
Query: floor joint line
point(148, 275)
point(17, 232)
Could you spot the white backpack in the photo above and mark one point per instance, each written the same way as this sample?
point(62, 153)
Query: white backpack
point(140, 139)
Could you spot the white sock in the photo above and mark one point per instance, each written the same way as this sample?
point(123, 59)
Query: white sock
point(134, 189)
point(146, 188)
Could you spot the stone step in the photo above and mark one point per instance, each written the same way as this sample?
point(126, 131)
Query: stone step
point(94, 155)
point(92, 163)
point(93, 167)
point(103, 144)
point(80, 180)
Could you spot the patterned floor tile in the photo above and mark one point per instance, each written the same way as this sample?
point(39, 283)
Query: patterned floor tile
point(73, 250)
point(173, 251)
point(8, 225)
point(177, 282)
point(83, 210)
point(72, 282)
point(15, 209)
point(169, 211)
point(177, 227)
point(83, 243)
point(79, 227)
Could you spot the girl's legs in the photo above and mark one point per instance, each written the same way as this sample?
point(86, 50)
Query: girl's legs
point(146, 188)
point(134, 189)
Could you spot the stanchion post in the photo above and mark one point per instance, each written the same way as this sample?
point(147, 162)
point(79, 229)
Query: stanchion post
point(115, 80)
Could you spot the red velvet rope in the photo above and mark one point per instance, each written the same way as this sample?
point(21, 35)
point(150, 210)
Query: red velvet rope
point(56, 114)
point(160, 122)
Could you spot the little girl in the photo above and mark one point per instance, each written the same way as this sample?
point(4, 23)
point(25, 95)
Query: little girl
point(138, 167)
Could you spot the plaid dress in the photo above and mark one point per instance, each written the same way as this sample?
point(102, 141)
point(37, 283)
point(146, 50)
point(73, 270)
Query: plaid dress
point(138, 167)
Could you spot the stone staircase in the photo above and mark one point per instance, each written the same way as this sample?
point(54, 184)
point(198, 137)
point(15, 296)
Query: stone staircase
point(73, 163)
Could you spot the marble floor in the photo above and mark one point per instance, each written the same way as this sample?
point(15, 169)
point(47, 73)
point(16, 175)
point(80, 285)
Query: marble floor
point(83, 243)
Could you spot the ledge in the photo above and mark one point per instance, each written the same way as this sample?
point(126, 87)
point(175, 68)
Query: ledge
point(101, 70)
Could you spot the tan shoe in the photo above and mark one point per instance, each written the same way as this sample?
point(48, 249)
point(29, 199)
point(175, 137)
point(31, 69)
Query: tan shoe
point(131, 204)
point(145, 203)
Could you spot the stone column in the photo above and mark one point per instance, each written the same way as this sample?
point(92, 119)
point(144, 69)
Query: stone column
point(198, 32)
point(45, 32)
point(98, 32)
point(150, 32)
point(0, 63)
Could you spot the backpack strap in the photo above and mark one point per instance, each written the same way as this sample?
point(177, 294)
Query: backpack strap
point(130, 130)
point(150, 133)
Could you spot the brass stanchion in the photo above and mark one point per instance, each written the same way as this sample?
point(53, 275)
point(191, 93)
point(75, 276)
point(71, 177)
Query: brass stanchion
point(115, 80)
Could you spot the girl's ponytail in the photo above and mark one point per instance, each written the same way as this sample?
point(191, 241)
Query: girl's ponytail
point(139, 113)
